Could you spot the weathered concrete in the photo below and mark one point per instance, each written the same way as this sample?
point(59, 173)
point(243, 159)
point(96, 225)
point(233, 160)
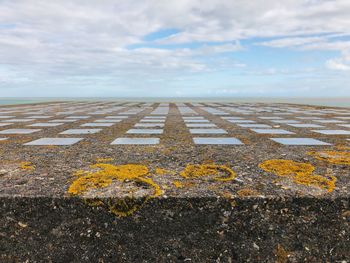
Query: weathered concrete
point(175, 201)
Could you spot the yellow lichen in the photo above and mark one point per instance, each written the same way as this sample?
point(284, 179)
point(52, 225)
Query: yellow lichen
point(335, 157)
point(220, 172)
point(106, 174)
point(300, 173)
point(161, 171)
point(178, 184)
point(104, 160)
point(247, 192)
point(26, 166)
point(281, 254)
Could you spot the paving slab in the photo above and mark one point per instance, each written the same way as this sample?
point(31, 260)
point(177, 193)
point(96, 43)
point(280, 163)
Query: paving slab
point(208, 131)
point(19, 131)
point(136, 141)
point(148, 125)
point(305, 125)
point(54, 141)
point(145, 131)
point(272, 131)
point(299, 141)
point(333, 132)
point(81, 131)
point(5, 124)
point(45, 124)
point(217, 140)
point(97, 124)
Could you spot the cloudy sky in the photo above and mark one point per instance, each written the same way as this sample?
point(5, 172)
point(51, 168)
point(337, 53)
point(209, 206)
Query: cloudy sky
point(174, 48)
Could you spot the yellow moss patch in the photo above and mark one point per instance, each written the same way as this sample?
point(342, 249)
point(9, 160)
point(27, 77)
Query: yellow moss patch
point(104, 160)
point(335, 157)
point(26, 166)
point(105, 175)
point(161, 171)
point(281, 254)
point(300, 173)
point(178, 184)
point(220, 172)
point(247, 192)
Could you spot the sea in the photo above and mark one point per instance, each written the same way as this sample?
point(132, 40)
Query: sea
point(333, 102)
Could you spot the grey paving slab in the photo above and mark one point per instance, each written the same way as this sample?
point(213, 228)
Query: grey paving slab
point(108, 121)
point(62, 120)
point(149, 125)
point(342, 117)
point(271, 118)
point(241, 121)
point(54, 141)
point(309, 118)
point(254, 125)
point(155, 117)
point(200, 125)
point(45, 124)
point(97, 124)
point(329, 121)
point(192, 117)
point(145, 131)
point(232, 118)
point(305, 125)
point(272, 131)
point(78, 117)
point(333, 132)
point(39, 117)
point(285, 121)
point(299, 141)
point(117, 117)
point(81, 131)
point(208, 131)
point(20, 120)
point(217, 140)
point(5, 124)
point(19, 131)
point(135, 141)
point(152, 120)
point(196, 121)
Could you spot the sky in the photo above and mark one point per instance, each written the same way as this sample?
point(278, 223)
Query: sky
point(193, 48)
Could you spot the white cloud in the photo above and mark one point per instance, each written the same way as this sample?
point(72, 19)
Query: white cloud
point(341, 63)
point(67, 41)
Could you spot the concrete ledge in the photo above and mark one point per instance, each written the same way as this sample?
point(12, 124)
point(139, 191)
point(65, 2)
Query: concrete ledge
point(305, 229)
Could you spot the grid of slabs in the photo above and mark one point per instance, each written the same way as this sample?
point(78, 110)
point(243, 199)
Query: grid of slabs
point(198, 125)
point(185, 110)
point(148, 125)
point(275, 119)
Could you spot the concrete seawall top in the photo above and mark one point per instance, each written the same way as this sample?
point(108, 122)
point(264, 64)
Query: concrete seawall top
point(116, 149)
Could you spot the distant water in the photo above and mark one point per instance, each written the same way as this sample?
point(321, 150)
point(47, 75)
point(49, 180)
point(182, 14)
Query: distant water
point(335, 102)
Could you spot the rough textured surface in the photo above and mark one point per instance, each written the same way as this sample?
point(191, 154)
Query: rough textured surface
point(161, 215)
